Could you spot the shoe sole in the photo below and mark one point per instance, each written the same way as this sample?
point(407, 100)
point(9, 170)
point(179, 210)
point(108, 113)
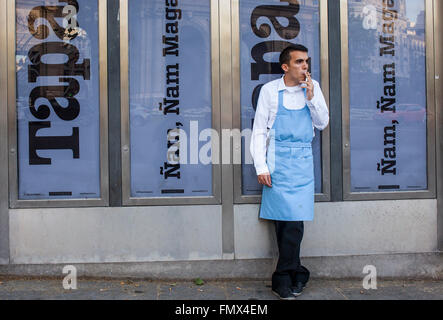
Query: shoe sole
point(299, 293)
point(281, 298)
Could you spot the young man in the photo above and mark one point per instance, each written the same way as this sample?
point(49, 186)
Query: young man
point(288, 109)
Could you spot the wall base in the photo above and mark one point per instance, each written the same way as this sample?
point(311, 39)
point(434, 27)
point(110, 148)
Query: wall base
point(417, 266)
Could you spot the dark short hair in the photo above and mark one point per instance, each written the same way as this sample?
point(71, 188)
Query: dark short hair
point(285, 55)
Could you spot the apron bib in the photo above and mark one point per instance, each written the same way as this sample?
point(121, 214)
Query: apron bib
point(291, 165)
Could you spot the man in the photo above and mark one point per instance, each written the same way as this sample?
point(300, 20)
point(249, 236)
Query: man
point(288, 109)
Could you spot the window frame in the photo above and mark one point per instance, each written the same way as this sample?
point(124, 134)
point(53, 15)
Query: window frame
point(14, 202)
point(325, 195)
point(430, 193)
point(127, 200)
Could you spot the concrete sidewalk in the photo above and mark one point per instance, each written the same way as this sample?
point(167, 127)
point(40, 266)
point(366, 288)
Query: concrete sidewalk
point(317, 289)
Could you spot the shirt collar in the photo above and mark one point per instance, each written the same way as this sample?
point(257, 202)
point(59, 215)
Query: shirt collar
point(282, 86)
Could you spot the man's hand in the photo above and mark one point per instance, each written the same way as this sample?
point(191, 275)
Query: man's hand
point(265, 179)
point(309, 85)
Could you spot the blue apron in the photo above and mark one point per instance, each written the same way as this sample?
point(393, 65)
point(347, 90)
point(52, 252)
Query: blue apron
point(291, 165)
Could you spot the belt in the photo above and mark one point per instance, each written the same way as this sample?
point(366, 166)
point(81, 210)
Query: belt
point(291, 144)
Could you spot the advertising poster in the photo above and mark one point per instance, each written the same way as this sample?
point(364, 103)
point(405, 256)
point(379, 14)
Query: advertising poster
point(170, 98)
point(266, 28)
point(58, 116)
point(387, 83)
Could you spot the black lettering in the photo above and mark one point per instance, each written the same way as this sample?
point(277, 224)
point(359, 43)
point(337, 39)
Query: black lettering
point(389, 48)
point(50, 143)
point(172, 3)
point(271, 12)
point(389, 15)
point(261, 66)
point(70, 68)
point(390, 91)
point(172, 27)
point(389, 70)
point(386, 105)
point(387, 167)
point(173, 92)
point(173, 14)
point(389, 28)
point(389, 136)
point(51, 93)
point(389, 3)
point(171, 106)
point(170, 74)
point(390, 153)
point(171, 170)
point(172, 43)
point(49, 13)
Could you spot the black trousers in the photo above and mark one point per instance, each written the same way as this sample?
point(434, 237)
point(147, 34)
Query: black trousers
point(289, 270)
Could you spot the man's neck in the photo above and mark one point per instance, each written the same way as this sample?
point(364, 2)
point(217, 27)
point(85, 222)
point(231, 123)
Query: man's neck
point(290, 82)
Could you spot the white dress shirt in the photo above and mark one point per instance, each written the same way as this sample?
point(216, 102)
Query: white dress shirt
point(267, 106)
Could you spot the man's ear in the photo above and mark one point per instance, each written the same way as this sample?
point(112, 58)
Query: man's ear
point(285, 67)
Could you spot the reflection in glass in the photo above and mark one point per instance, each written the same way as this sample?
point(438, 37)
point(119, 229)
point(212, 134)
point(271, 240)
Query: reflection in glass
point(58, 119)
point(170, 98)
point(387, 82)
point(266, 28)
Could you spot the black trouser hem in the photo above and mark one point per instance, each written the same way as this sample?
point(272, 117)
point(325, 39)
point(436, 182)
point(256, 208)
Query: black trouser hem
point(289, 270)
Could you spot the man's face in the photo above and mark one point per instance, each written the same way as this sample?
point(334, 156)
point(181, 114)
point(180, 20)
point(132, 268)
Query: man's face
point(298, 66)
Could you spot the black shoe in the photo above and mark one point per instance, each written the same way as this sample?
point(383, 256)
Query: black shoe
point(284, 293)
point(298, 289)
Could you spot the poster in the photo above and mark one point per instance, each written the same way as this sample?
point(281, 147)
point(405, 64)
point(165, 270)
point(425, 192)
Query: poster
point(58, 116)
point(170, 98)
point(387, 83)
point(266, 28)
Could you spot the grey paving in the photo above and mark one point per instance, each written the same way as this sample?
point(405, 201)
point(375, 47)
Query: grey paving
point(318, 289)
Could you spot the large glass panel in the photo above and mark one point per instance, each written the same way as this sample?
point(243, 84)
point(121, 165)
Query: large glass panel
point(387, 84)
point(58, 116)
point(170, 98)
point(266, 28)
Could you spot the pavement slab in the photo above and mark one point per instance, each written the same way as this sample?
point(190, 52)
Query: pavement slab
point(114, 289)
